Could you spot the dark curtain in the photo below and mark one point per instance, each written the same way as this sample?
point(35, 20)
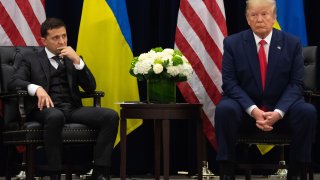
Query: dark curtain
point(153, 24)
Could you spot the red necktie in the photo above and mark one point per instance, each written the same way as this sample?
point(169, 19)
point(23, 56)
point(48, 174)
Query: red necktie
point(263, 62)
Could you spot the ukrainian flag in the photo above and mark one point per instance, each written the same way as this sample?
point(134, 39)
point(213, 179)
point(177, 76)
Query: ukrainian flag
point(104, 41)
point(290, 18)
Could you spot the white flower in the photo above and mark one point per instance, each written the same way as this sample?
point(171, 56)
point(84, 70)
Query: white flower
point(173, 70)
point(161, 63)
point(157, 68)
point(143, 56)
point(187, 70)
point(167, 57)
point(168, 51)
point(143, 67)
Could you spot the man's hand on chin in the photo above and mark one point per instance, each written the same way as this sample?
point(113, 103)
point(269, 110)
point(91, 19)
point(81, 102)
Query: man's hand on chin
point(69, 52)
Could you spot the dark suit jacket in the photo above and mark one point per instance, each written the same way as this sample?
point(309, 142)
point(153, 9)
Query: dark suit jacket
point(35, 69)
point(241, 72)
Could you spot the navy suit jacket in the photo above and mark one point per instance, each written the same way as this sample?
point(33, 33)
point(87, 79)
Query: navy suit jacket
point(35, 69)
point(241, 72)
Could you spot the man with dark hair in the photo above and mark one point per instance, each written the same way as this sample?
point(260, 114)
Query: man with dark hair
point(262, 76)
point(52, 78)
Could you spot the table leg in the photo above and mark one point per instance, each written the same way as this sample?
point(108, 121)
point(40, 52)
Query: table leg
point(123, 148)
point(157, 133)
point(166, 146)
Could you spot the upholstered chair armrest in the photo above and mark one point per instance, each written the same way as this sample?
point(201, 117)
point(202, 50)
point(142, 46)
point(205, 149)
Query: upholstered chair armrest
point(96, 95)
point(5, 95)
point(311, 96)
point(19, 95)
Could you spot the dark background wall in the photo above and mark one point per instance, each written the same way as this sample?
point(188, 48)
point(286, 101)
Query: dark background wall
point(153, 23)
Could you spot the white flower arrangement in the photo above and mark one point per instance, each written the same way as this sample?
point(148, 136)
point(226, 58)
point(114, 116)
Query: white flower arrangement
point(161, 63)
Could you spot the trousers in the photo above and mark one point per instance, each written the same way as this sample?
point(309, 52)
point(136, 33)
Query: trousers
point(53, 119)
point(299, 120)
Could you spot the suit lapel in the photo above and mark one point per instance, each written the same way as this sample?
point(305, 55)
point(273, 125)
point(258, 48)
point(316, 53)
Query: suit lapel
point(275, 48)
point(250, 48)
point(44, 61)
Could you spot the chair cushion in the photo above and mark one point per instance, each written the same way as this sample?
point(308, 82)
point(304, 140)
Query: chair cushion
point(33, 133)
point(262, 137)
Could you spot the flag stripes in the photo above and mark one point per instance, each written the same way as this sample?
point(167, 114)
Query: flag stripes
point(201, 28)
point(9, 32)
point(20, 22)
point(197, 16)
point(201, 73)
point(216, 9)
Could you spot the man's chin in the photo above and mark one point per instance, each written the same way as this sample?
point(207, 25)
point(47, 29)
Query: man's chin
point(262, 32)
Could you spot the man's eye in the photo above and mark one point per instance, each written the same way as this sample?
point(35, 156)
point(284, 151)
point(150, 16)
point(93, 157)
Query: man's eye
point(253, 15)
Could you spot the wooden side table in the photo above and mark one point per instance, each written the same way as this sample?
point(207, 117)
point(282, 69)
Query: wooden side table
point(161, 114)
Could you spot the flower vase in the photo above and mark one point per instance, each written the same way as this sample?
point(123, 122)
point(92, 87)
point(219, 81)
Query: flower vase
point(162, 91)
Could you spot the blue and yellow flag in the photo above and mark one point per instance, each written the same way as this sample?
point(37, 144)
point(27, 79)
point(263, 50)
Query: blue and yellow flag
point(290, 18)
point(104, 41)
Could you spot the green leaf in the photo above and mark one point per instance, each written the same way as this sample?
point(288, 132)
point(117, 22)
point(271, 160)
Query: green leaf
point(158, 49)
point(165, 63)
point(177, 52)
point(176, 60)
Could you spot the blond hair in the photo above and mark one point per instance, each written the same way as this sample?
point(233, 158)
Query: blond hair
point(272, 3)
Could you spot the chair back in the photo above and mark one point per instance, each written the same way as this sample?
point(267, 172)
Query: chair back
point(311, 66)
point(10, 58)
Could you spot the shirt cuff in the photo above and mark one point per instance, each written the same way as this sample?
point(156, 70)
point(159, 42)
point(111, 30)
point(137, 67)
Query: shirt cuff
point(280, 112)
point(79, 66)
point(32, 88)
point(250, 109)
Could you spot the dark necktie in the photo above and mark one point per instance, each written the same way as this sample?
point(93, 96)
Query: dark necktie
point(263, 62)
point(58, 59)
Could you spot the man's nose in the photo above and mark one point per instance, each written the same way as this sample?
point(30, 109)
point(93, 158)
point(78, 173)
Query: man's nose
point(259, 17)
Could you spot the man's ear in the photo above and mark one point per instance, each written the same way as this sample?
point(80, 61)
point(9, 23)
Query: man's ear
point(43, 40)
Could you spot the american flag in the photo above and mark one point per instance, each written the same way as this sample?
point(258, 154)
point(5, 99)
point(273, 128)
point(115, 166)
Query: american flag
point(20, 22)
point(201, 28)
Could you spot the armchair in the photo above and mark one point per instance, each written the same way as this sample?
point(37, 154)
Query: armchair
point(312, 93)
point(17, 131)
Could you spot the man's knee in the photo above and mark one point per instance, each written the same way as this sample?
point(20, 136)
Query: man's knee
point(304, 117)
point(307, 111)
point(54, 118)
point(227, 112)
point(311, 111)
point(111, 117)
point(228, 108)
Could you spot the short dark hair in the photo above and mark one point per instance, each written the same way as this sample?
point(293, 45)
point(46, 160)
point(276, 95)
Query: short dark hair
point(50, 23)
